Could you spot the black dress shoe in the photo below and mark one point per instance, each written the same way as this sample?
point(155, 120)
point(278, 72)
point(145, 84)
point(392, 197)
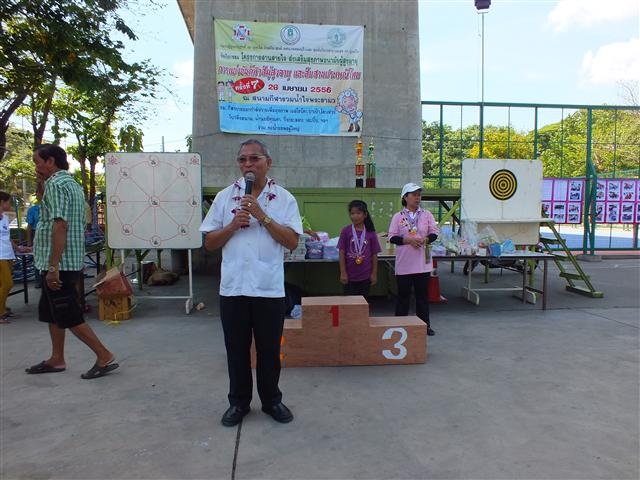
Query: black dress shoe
point(430, 332)
point(234, 415)
point(279, 412)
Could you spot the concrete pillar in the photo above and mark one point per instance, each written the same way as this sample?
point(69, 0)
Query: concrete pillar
point(391, 99)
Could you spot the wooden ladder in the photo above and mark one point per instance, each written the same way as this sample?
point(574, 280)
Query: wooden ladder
point(565, 261)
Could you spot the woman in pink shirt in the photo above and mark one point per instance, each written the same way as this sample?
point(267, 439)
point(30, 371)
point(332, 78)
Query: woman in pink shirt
point(412, 230)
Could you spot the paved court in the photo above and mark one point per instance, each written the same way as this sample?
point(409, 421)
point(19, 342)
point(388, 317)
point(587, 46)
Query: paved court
point(508, 392)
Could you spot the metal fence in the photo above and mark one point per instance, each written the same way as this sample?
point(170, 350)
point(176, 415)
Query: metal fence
point(581, 141)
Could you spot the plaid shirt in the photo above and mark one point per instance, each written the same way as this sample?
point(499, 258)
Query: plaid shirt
point(63, 198)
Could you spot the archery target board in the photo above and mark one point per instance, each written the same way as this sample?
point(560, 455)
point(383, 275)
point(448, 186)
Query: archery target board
point(506, 194)
point(154, 200)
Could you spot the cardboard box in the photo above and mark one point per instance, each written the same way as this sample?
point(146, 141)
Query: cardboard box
point(114, 308)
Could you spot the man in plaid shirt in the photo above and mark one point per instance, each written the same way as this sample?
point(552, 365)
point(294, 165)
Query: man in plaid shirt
point(59, 256)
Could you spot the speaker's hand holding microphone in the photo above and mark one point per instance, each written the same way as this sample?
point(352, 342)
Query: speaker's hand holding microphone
point(249, 202)
point(243, 214)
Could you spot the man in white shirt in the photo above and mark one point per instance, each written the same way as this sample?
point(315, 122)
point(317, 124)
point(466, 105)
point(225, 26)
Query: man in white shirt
point(253, 230)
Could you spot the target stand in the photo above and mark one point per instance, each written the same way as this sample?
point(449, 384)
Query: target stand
point(505, 195)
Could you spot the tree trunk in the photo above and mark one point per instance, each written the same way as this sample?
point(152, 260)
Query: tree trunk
point(92, 180)
point(3, 141)
point(40, 126)
point(5, 116)
point(83, 175)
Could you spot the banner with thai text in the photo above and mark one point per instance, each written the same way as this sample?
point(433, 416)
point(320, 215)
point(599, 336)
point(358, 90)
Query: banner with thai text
point(289, 78)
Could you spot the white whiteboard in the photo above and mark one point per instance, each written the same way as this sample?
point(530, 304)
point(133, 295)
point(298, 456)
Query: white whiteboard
point(154, 200)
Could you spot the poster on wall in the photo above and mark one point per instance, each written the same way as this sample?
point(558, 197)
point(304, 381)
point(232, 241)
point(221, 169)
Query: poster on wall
point(622, 200)
point(629, 190)
point(575, 190)
point(559, 212)
point(289, 78)
point(626, 213)
point(613, 190)
point(573, 212)
point(599, 212)
point(600, 190)
point(612, 212)
point(560, 187)
point(617, 200)
point(562, 199)
point(547, 189)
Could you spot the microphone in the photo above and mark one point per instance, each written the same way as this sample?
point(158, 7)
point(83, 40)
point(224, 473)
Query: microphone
point(249, 178)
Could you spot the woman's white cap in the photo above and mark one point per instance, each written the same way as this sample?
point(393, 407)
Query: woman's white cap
point(408, 188)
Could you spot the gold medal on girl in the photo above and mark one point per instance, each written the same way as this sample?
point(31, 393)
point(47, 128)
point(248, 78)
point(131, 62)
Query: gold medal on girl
point(358, 244)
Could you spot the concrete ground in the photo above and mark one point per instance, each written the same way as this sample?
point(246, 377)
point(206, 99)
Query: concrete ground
point(508, 392)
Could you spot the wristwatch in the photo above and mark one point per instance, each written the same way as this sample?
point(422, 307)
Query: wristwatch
point(267, 220)
point(53, 268)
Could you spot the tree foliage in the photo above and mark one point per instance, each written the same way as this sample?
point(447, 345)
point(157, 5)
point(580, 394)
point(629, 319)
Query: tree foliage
point(455, 147)
point(18, 163)
point(63, 61)
point(503, 142)
point(91, 119)
point(130, 139)
point(42, 43)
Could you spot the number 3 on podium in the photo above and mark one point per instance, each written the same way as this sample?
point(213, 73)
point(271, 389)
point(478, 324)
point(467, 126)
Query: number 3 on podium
point(402, 351)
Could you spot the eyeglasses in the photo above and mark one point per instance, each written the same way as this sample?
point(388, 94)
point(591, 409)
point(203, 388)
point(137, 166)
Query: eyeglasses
point(250, 159)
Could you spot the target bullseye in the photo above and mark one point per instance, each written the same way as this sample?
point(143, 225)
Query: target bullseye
point(503, 184)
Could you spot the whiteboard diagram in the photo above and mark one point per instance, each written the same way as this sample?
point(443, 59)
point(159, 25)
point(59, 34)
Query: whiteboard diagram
point(154, 200)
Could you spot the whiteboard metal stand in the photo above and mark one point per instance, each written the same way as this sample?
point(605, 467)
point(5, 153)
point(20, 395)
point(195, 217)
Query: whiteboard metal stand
point(154, 201)
point(188, 305)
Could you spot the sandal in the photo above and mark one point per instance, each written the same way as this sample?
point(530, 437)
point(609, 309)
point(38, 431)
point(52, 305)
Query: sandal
point(43, 367)
point(97, 371)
